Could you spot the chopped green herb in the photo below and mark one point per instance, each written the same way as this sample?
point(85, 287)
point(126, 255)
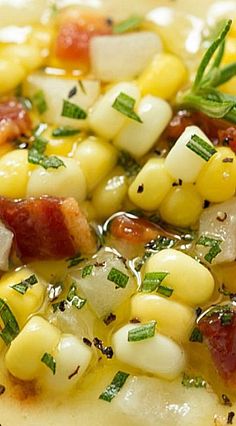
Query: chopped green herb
point(196, 335)
point(118, 277)
point(129, 164)
point(214, 245)
point(49, 361)
point(130, 24)
point(165, 291)
point(201, 147)
point(39, 129)
point(24, 285)
point(40, 102)
point(11, 329)
point(65, 131)
point(125, 105)
point(226, 318)
point(112, 390)
point(74, 299)
point(87, 270)
point(36, 155)
point(160, 243)
point(71, 110)
point(142, 332)
point(75, 260)
point(152, 281)
point(193, 382)
point(26, 102)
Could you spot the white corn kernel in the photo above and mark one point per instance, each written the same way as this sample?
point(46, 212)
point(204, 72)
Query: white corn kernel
point(14, 170)
point(158, 355)
point(23, 358)
point(105, 120)
point(68, 181)
point(72, 358)
point(191, 282)
point(24, 54)
point(138, 138)
point(96, 158)
point(182, 162)
point(151, 185)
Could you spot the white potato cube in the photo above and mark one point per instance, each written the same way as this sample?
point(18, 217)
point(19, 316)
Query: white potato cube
point(6, 238)
point(158, 355)
point(181, 162)
point(138, 138)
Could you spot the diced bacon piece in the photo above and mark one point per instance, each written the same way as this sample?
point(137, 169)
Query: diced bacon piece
point(47, 228)
point(135, 230)
point(75, 32)
point(228, 137)
point(14, 120)
point(219, 329)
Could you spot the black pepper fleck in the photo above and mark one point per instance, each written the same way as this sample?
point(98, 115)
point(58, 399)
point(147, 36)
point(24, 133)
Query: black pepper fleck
point(206, 204)
point(106, 350)
point(135, 321)
point(226, 400)
point(221, 216)
point(140, 188)
point(87, 341)
point(230, 418)
point(74, 373)
point(72, 92)
point(109, 318)
point(227, 160)
point(2, 389)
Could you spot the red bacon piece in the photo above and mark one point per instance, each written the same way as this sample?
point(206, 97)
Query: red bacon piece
point(135, 230)
point(47, 228)
point(14, 120)
point(221, 341)
point(75, 32)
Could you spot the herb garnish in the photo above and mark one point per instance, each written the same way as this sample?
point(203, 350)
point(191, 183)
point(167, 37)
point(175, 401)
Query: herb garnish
point(203, 96)
point(87, 270)
point(125, 105)
point(224, 312)
point(196, 335)
point(74, 111)
point(129, 164)
point(214, 245)
point(36, 155)
point(74, 299)
point(25, 284)
point(11, 329)
point(193, 382)
point(201, 147)
point(54, 291)
point(142, 332)
point(130, 24)
point(118, 277)
point(49, 361)
point(75, 260)
point(64, 132)
point(40, 102)
point(112, 390)
point(152, 281)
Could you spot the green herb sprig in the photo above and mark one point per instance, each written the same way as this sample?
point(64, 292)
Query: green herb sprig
point(204, 95)
point(36, 155)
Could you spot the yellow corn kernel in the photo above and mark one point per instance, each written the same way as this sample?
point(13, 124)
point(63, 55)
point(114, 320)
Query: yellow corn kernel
point(173, 318)
point(41, 37)
point(97, 158)
point(163, 77)
point(151, 185)
point(217, 180)
point(182, 206)
point(28, 56)
point(60, 145)
point(23, 359)
point(11, 74)
point(22, 306)
point(191, 282)
point(14, 169)
point(110, 193)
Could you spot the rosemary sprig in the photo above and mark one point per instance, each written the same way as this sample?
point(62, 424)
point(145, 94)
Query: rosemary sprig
point(204, 95)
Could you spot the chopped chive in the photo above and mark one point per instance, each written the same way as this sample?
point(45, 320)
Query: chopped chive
point(201, 147)
point(196, 336)
point(49, 361)
point(40, 102)
point(115, 386)
point(39, 129)
point(36, 155)
point(142, 332)
point(74, 299)
point(24, 285)
point(125, 105)
point(226, 318)
point(11, 329)
point(75, 260)
point(130, 24)
point(64, 132)
point(193, 382)
point(129, 164)
point(152, 280)
point(71, 110)
point(118, 277)
point(165, 291)
point(214, 245)
point(87, 270)
point(160, 243)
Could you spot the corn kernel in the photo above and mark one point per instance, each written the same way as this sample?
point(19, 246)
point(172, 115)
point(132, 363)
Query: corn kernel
point(217, 180)
point(96, 158)
point(163, 77)
point(23, 358)
point(24, 54)
point(182, 206)
point(11, 74)
point(14, 169)
point(60, 145)
point(151, 185)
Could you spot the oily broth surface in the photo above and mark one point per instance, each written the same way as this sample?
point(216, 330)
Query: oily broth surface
point(26, 408)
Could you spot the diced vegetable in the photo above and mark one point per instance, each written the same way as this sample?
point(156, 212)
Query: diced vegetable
point(132, 53)
point(6, 238)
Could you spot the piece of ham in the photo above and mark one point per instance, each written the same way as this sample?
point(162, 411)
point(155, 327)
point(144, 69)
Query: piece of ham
point(14, 120)
point(47, 228)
